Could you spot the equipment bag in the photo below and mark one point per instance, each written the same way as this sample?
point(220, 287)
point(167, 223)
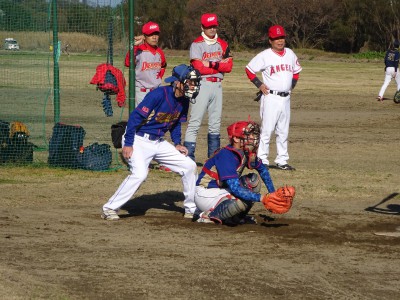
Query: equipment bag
point(14, 144)
point(96, 157)
point(65, 145)
point(4, 131)
point(117, 131)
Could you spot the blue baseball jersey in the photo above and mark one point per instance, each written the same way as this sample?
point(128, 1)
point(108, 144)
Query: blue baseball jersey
point(223, 170)
point(392, 58)
point(159, 112)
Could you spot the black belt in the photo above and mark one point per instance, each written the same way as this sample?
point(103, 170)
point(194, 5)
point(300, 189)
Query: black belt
point(282, 94)
point(151, 137)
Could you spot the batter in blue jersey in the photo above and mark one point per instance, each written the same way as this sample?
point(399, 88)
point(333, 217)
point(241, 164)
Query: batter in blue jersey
point(162, 110)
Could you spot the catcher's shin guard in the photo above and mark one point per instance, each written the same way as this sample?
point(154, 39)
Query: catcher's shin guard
point(191, 148)
point(213, 143)
point(228, 208)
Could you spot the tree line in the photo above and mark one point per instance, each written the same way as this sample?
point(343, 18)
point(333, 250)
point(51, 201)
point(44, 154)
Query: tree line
point(347, 26)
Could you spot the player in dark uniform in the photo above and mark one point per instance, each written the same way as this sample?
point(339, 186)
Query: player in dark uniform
point(392, 57)
point(162, 110)
point(223, 195)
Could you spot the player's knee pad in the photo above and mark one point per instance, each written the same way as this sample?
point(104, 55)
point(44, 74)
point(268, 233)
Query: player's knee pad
point(227, 208)
point(251, 181)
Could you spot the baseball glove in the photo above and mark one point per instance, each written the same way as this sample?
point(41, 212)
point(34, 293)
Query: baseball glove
point(280, 201)
point(396, 97)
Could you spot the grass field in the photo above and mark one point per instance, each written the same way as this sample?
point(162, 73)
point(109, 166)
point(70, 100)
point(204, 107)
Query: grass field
point(343, 143)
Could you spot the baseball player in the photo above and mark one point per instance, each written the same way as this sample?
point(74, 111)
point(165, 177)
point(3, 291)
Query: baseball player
point(210, 55)
point(280, 71)
point(391, 69)
point(223, 195)
point(160, 111)
point(149, 60)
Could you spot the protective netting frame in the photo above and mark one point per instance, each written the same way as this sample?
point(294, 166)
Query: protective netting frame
point(29, 79)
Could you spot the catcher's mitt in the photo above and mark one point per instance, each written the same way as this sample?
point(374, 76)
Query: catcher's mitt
point(280, 201)
point(396, 97)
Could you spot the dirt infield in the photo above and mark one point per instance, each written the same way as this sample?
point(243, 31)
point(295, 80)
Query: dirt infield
point(345, 147)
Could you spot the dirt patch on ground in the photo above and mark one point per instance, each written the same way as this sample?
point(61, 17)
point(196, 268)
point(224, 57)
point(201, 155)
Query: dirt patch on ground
point(344, 145)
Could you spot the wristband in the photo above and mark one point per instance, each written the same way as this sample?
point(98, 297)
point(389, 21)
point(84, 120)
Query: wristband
point(257, 82)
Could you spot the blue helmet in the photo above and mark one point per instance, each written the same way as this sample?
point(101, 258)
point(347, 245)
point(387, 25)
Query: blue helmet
point(183, 73)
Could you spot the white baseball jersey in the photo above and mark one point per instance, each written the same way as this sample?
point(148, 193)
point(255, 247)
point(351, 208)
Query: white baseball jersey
point(277, 70)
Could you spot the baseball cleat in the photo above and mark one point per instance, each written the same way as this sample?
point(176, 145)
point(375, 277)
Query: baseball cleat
point(285, 167)
point(204, 220)
point(110, 215)
point(188, 215)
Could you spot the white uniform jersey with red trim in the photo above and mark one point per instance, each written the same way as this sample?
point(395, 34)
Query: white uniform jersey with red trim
point(277, 70)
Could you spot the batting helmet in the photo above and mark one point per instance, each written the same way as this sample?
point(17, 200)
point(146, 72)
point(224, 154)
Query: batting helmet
point(183, 74)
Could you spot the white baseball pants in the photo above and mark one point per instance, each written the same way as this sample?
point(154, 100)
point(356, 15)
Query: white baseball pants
point(275, 116)
point(390, 73)
point(206, 199)
point(144, 151)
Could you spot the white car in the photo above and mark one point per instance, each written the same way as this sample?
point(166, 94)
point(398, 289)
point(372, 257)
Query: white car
point(11, 44)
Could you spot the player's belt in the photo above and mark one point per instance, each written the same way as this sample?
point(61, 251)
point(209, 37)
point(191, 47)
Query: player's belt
point(151, 137)
point(145, 90)
point(282, 94)
point(213, 79)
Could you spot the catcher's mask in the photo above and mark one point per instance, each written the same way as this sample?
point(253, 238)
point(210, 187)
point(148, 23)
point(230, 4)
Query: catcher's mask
point(189, 77)
point(249, 134)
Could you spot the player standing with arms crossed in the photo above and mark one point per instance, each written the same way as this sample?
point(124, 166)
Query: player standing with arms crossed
point(162, 110)
point(280, 71)
point(391, 69)
point(149, 61)
point(210, 55)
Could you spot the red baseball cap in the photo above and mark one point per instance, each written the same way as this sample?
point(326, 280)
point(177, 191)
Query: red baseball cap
point(208, 20)
point(150, 27)
point(276, 31)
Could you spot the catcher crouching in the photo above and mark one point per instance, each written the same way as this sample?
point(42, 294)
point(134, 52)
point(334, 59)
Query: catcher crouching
point(225, 196)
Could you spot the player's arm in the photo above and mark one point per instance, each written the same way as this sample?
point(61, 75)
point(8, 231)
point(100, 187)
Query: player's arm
point(200, 66)
point(176, 133)
point(140, 114)
point(226, 63)
point(256, 81)
point(265, 176)
point(163, 65)
point(295, 79)
point(134, 120)
point(240, 192)
point(136, 51)
point(223, 66)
